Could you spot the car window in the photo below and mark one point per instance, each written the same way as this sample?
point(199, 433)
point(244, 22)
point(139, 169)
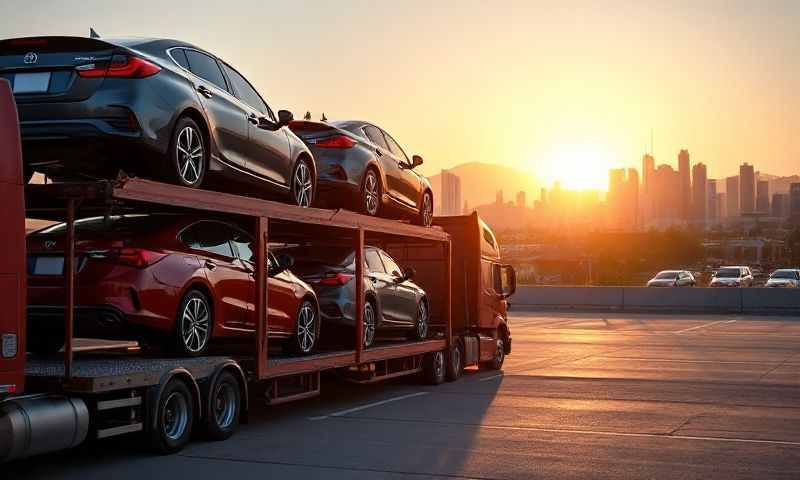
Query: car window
point(179, 55)
point(373, 261)
point(391, 266)
point(396, 150)
point(375, 136)
point(206, 67)
point(213, 237)
point(245, 245)
point(244, 91)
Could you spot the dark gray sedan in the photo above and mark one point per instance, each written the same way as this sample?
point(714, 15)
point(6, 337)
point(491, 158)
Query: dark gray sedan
point(672, 278)
point(394, 304)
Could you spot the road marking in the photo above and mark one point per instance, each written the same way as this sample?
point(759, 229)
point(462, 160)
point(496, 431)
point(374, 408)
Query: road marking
point(705, 325)
point(676, 360)
point(369, 405)
point(485, 379)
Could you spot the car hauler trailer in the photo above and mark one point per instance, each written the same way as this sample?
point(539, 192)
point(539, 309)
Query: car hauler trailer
point(53, 403)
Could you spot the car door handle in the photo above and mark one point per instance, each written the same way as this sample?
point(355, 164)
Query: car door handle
point(378, 152)
point(205, 91)
point(252, 118)
point(210, 265)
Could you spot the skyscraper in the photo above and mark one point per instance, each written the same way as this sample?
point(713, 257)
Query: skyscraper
point(794, 202)
point(732, 196)
point(666, 196)
point(498, 197)
point(780, 205)
point(521, 199)
point(762, 196)
point(451, 193)
point(648, 169)
point(712, 207)
point(632, 199)
point(747, 189)
point(685, 184)
point(699, 198)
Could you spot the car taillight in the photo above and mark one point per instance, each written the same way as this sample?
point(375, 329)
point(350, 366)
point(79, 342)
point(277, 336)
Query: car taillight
point(137, 257)
point(338, 141)
point(121, 66)
point(336, 279)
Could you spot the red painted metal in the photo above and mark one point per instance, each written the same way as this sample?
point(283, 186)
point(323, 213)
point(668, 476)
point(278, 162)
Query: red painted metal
point(359, 330)
point(12, 253)
point(261, 302)
point(448, 293)
point(69, 289)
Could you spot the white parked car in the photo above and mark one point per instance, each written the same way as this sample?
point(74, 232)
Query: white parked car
point(732, 277)
point(784, 278)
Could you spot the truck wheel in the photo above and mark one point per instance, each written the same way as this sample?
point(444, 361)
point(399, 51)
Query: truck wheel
point(499, 355)
point(223, 407)
point(455, 364)
point(433, 367)
point(174, 418)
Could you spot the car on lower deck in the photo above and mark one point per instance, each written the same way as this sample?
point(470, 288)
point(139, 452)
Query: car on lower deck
point(168, 279)
point(158, 108)
point(361, 167)
point(394, 304)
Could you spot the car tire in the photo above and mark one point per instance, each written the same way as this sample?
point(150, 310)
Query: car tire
point(370, 323)
point(425, 217)
point(194, 324)
point(371, 193)
point(434, 367)
point(223, 407)
point(306, 336)
point(422, 324)
point(188, 154)
point(174, 418)
point(44, 344)
point(302, 191)
point(455, 363)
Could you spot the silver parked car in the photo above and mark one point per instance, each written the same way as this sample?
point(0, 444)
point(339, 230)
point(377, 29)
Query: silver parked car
point(672, 278)
point(736, 276)
point(784, 278)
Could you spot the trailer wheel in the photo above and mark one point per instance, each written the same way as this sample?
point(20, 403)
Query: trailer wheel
point(174, 417)
point(223, 407)
point(434, 367)
point(455, 364)
point(499, 355)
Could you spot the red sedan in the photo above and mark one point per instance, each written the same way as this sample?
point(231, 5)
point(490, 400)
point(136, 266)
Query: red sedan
point(186, 280)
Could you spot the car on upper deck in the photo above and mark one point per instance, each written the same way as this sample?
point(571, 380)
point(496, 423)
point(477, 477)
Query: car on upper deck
point(159, 108)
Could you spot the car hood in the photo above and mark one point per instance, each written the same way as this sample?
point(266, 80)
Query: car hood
point(781, 282)
point(661, 283)
point(725, 281)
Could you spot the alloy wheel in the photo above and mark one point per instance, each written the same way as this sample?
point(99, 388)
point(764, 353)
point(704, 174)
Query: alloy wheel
point(422, 321)
point(195, 325)
point(371, 193)
point(303, 185)
point(306, 328)
point(369, 324)
point(427, 209)
point(190, 155)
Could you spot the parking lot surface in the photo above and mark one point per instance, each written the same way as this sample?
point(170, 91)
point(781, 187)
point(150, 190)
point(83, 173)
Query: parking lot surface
point(598, 395)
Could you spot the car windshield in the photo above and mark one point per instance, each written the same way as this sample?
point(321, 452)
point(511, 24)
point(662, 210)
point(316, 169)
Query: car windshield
point(667, 276)
point(728, 273)
point(317, 255)
point(784, 274)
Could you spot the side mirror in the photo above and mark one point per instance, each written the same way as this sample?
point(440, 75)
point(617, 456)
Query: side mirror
point(416, 161)
point(409, 273)
point(508, 281)
point(284, 117)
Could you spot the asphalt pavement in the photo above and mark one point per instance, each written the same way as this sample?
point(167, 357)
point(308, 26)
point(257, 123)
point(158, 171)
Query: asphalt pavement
point(582, 396)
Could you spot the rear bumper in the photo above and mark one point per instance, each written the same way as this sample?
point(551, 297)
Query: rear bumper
point(95, 321)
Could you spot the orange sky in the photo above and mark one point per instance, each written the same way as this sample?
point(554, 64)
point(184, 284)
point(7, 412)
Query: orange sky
point(563, 90)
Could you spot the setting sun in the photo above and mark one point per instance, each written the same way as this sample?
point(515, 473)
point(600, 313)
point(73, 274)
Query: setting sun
point(578, 167)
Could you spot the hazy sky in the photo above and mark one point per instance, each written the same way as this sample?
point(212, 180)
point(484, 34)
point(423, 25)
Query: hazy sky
point(563, 89)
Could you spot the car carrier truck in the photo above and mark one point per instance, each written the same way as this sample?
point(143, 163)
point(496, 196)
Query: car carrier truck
point(57, 402)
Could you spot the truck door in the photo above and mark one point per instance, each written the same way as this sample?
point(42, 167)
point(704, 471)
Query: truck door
point(12, 255)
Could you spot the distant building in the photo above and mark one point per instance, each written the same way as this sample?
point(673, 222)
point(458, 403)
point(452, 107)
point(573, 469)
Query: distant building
point(762, 196)
point(699, 197)
point(623, 198)
point(521, 199)
point(780, 205)
point(722, 206)
point(451, 193)
point(794, 202)
point(685, 184)
point(747, 189)
point(666, 193)
point(498, 197)
point(732, 194)
point(466, 210)
point(712, 206)
point(648, 169)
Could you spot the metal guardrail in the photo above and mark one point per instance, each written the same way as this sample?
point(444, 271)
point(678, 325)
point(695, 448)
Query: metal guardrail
point(713, 300)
